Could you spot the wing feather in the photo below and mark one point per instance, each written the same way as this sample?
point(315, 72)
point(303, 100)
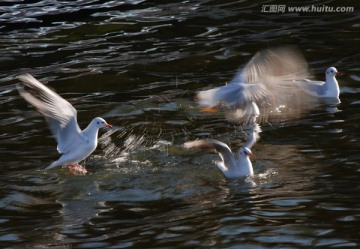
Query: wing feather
point(232, 96)
point(268, 80)
point(60, 115)
point(283, 62)
point(214, 146)
point(254, 136)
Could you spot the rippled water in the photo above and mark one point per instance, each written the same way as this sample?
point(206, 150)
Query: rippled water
point(138, 64)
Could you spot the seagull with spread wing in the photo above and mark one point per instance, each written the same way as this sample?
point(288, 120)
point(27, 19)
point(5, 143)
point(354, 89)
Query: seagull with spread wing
point(73, 143)
point(264, 89)
point(232, 166)
point(327, 91)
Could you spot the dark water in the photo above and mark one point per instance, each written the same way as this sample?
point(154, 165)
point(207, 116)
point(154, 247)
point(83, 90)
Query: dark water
point(138, 64)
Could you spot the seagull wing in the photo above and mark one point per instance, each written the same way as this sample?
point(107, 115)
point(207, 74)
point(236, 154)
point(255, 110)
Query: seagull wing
point(266, 85)
point(59, 113)
point(277, 70)
point(254, 136)
point(241, 99)
point(283, 63)
point(214, 146)
point(314, 88)
point(233, 96)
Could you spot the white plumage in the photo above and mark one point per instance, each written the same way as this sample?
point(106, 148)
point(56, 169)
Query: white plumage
point(264, 88)
point(73, 143)
point(232, 166)
point(328, 89)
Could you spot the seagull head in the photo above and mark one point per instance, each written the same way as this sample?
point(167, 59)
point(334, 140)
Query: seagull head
point(244, 151)
point(100, 122)
point(332, 71)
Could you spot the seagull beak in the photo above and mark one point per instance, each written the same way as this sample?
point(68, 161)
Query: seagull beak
point(209, 109)
point(339, 73)
point(108, 126)
point(252, 155)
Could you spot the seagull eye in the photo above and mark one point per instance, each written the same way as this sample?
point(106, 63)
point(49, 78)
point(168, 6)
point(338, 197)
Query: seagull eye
point(103, 122)
point(98, 122)
point(332, 71)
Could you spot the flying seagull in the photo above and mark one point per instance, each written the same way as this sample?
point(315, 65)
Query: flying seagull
point(264, 90)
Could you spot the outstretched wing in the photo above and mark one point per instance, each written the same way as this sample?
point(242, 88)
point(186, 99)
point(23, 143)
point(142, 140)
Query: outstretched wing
point(233, 96)
point(60, 114)
point(313, 88)
point(254, 136)
point(214, 146)
point(283, 63)
point(268, 80)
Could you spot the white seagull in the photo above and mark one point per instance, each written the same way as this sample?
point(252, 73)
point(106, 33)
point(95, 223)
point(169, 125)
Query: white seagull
point(73, 143)
point(231, 166)
point(265, 87)
point(328, 89)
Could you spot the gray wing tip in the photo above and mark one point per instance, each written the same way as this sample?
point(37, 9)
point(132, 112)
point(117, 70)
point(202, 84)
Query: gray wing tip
point(30, 81)
point(25, 77)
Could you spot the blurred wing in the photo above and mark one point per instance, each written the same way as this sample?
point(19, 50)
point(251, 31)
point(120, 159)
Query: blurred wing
point(60, 114)
point(283, 62)
point(241, 99)
point(254, 136)
point(238, 78)
point(285, 102)
point(214, 146)
point(277, 71)
point(232, 95)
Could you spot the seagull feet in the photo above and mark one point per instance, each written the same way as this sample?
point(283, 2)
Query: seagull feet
point(77, 169)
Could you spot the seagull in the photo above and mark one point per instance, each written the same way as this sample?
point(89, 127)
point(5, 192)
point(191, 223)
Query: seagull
point(265, 87)
point(231, 166)
point(73, 143)
point(320, 89)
